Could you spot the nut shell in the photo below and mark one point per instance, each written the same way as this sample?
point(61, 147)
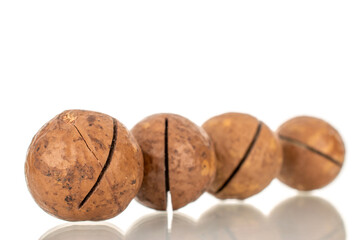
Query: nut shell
point(178, 157)
point(83, 165)
point(313, 153)
point(248, 155)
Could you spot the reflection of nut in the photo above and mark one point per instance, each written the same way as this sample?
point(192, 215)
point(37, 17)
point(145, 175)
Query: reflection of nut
point(81, 232)
point(248, 155)
point(178, 157)
point(313, 153)
point(307, 217)
point(155, 227)
point(83, 165)
point(235, 221)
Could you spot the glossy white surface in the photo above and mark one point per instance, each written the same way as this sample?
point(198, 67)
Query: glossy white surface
point(273, 59)
point(300, 217)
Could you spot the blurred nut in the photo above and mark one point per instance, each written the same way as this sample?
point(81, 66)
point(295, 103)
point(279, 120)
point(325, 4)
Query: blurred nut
point(313, 153)
point(248, 155)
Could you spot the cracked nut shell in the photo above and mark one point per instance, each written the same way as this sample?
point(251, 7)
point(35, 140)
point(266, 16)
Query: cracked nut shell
point(83, 165)
point(313, 153)
point(248, 155)
point(178, 158)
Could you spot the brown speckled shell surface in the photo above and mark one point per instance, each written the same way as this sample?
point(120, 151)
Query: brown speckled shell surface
point(150, 136)
point(83, 165)
point(248, 155)
point(313, 153)
point(190, 156)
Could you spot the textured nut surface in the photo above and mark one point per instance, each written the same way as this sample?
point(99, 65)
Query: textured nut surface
point(313, 153)
point(248, 155)
point(83, 165)
point(178, 157)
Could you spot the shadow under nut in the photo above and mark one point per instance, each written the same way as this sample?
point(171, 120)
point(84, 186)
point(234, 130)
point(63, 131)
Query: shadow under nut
point(178, 157)
point(83, 165)
point(248, 155)
point(313, 153)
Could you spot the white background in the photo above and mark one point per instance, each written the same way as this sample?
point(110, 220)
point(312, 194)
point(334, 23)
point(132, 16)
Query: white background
point(273, 59)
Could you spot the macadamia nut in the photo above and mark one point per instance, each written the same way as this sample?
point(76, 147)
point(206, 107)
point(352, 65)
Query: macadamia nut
point(313, 153)
point(83, 165)
point(178, 158)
